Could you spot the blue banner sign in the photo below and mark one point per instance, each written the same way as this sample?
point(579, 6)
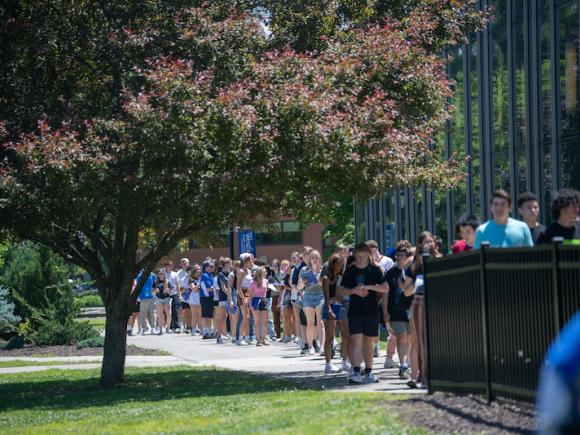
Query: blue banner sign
point(388, 236)
point(246, 241)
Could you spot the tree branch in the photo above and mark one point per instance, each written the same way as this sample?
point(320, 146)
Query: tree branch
point(165, 246)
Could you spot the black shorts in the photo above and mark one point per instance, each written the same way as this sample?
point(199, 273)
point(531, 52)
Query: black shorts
point(206, 307)
point(184, 306)
point(366, 324)
point(303, 320)
point(137, 307)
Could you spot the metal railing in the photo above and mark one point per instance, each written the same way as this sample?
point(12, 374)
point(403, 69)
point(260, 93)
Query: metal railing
point(491, 314)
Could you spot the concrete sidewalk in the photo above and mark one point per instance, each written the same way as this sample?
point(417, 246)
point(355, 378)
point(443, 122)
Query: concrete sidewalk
point(278, 360)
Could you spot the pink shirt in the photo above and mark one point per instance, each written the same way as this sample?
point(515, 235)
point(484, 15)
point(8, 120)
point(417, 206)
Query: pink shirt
point(259, 292)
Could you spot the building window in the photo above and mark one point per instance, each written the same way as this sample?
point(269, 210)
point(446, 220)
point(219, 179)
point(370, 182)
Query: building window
point(279, 233)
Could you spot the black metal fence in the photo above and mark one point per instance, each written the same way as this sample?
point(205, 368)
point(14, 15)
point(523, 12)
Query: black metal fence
point(491, 314)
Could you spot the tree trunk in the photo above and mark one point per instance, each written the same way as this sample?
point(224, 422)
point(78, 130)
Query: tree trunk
point(113, 369)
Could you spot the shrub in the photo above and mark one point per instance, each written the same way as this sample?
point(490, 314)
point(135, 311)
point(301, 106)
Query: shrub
point(48, 332)
point(7, 316)
point(14, 343)
point(91, 342)
point(43, 296)
point(86, 301)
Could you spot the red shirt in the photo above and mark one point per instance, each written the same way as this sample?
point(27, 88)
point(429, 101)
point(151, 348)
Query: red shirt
point(460, 246)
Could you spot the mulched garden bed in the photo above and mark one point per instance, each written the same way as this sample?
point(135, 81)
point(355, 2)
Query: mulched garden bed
point(445, 413)
point(54, 351)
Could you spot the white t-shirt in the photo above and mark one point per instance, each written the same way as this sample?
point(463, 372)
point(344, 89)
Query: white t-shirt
point(385, 263)
point(183, 279)
point(194, 296)
point(172, 278)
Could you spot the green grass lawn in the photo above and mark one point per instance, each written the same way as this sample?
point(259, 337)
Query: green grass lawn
point(185, 400)
point(97, 322)
point(24, 363)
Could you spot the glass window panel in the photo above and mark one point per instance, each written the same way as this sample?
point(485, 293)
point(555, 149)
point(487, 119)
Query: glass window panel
point(500, 153)
point(570, 93)
point(520, 146)
point(391, 236)
point(289, 227)
point(458, 129)
point(546, 95)
point(475, 146)
point(377, 221)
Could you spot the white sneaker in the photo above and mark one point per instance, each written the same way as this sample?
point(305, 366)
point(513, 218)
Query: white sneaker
point(286, 339)
point(311, 351)
point(253, 341)
point(322, 352)
point(346, 365)
point(370, 378)
point(329, 368)
point(390, 364)
point(355, 378)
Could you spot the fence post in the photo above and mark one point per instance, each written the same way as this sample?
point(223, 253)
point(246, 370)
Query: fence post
point(485, 321)
point(426, 258)
point(556, 244)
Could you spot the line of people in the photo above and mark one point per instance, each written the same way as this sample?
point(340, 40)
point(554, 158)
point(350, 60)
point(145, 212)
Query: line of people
point(311, 303)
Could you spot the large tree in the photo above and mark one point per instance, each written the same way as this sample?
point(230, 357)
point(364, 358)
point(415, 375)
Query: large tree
point(179, 118)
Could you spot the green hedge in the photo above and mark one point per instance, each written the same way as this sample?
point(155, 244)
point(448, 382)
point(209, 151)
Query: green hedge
point(87, 301)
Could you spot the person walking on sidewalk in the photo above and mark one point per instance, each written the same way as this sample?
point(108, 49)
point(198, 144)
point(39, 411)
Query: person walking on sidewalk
point(396, 310)
point(175, 295)
point(162, 300)
point(502, 231)
point(565, 209)
point(363, 282)
point(146, 305)
point(206, 298)
point(529, 209)
point(259, 305)
point(413, 283)
point(194, 299)
point(331, 312)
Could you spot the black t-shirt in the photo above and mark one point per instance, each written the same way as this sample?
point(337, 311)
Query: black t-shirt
point(160, 285)
point(557, 230)
point(414, 274)
point(331, 284)
point(296, 273)
point(222, 283)
point(398, 303)
point(370, 275)
point(537, 233)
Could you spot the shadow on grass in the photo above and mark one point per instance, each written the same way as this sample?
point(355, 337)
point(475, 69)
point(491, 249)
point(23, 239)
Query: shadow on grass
point(62, 390)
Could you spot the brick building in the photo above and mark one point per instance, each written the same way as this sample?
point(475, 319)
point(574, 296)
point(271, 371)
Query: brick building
point(275, 240)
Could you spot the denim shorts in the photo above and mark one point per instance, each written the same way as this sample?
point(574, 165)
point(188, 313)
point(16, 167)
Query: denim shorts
point(400, 328)
point(335, 309)
point(160, 301)
point(260, 304)
point(343, 313)
point(312, 300)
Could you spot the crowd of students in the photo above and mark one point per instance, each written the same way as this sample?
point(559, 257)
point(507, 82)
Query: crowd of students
point(311, 303)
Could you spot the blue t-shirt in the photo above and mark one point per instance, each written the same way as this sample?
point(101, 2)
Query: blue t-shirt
point(206, 284)
point(515, 233)
point(146, 290)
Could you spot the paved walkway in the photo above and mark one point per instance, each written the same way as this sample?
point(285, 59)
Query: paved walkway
point(283, 360)
point(277, 360)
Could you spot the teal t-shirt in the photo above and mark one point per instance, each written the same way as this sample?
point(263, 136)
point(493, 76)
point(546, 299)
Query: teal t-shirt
point(514, 233)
